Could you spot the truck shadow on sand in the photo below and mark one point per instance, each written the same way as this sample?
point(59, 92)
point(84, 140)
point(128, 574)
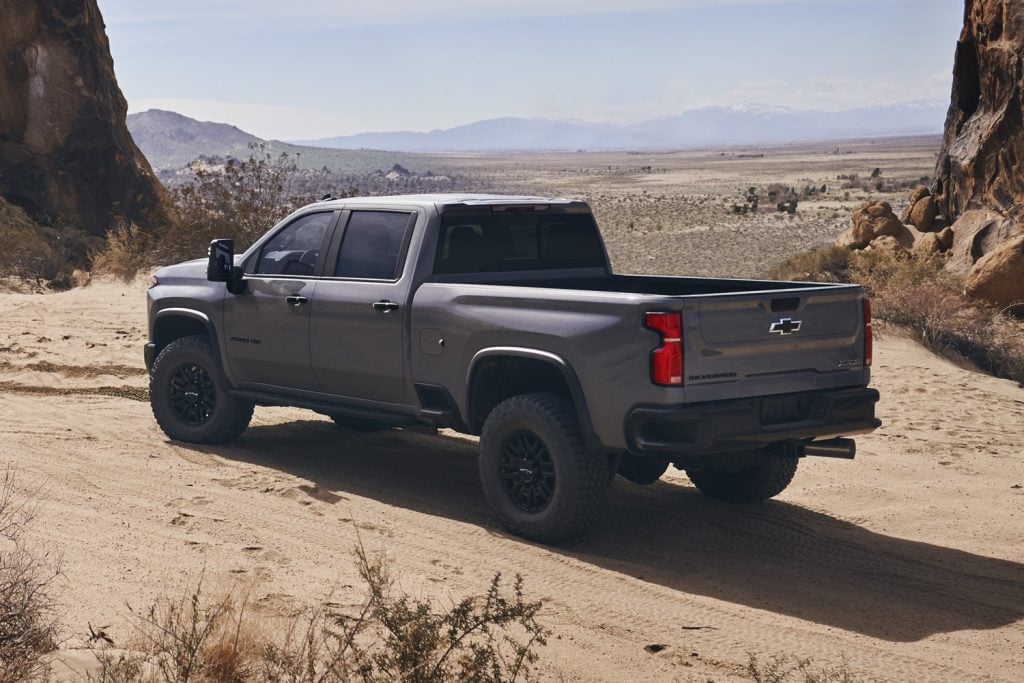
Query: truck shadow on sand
point(774, 556)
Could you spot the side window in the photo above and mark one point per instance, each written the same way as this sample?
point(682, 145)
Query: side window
point(372, 245)
point(296, 249)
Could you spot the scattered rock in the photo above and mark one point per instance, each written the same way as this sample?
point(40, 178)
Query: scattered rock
point(929, 245)
point(655, 648)
point(946, 238)
point(890, 244)
point(999, 276)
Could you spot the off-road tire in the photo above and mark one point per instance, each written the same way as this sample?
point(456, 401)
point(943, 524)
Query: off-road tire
point(357, 424)
point(642, 470)
point(750, 484)
point(225, 417)
point(581, 479)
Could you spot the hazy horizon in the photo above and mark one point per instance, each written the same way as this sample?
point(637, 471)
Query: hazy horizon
point(318, 68)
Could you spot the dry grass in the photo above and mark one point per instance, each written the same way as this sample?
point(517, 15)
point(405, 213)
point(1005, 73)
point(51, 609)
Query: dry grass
point(28, 622)
point(783, 669)
point(127, 251)
point(389, 636)
point(919, 294)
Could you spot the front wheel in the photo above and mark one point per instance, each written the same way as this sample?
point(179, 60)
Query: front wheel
point(189, 395)
point(536, 473)
point(766, 479)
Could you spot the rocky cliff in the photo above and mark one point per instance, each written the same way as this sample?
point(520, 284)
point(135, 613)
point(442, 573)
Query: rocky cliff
point(981, 164)
point(65, 153)
point(979, 178)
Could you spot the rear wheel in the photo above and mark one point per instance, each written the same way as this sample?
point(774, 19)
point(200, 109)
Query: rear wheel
point(189, 394)
point(535, 471)
point(766, 479)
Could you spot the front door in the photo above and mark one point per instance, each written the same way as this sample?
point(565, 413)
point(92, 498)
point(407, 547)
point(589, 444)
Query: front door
point(358, 319)
point(267, 327)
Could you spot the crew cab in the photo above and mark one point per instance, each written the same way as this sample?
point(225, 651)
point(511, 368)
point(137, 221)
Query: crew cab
point(500, 316)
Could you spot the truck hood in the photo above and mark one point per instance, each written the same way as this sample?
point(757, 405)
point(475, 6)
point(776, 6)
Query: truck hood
point(190, 270)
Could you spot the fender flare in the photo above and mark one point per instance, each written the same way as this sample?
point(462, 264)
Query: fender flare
point(211, 331)
point(590, 437)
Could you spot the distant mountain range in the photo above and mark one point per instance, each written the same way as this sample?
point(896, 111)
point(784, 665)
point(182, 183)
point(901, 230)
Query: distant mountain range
point(170, 141)
point(705, 127)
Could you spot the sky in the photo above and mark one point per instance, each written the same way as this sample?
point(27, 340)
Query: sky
point(305, 69)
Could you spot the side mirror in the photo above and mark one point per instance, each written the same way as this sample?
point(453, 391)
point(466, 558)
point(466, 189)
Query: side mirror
point(221, 261)
point(220, 266)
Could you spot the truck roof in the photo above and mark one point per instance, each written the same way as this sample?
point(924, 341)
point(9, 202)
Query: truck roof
point(453, 199)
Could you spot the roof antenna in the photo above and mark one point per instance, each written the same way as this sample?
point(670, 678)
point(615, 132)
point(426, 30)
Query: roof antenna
point(326, 197)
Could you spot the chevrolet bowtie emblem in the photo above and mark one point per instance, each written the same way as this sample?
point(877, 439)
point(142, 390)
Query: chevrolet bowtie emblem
point(785, 326)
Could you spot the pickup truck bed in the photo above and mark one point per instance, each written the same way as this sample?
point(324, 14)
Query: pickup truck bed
point(500, 316)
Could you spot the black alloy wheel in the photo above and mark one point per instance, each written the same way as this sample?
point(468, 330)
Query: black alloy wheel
point(527, 471)
point(193, 394)
point(191, 398)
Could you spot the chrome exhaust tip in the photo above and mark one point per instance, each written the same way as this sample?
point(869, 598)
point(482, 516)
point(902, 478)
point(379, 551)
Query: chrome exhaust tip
point(832, 448)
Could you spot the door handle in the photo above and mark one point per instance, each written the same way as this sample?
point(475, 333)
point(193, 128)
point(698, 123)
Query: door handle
point(385, 306)
point(295, 301)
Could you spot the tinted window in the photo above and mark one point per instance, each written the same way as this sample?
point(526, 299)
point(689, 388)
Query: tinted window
point(372, 245)
point(295, 250)
point(492, 242)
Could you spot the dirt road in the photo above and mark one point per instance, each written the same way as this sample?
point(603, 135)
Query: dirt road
point(908, 562)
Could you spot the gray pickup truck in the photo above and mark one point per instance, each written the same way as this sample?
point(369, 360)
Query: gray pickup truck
point(500, 316)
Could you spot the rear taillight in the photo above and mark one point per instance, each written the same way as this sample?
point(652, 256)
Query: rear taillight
point(667, 359)
point(869, 340)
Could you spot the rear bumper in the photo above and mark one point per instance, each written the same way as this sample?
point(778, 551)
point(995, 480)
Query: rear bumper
point(744, 424)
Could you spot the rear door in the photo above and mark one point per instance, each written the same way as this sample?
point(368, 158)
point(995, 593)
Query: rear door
point(358, 323)
point(774, 342)
point(267, 326)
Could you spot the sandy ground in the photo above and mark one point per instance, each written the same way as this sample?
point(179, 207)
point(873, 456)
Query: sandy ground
point(908, 562)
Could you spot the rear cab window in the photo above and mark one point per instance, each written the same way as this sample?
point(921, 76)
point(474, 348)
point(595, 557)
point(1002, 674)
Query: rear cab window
point(493, 241)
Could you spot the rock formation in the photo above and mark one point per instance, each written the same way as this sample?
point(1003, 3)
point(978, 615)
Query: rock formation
point(873, 220)
point(65, 152)
point(999, 276)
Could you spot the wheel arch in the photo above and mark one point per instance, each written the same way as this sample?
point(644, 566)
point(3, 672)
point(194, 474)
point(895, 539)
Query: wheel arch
point(521, 370)
point(174, 323)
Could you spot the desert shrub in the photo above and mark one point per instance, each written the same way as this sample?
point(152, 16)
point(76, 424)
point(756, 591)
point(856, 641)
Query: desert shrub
point(126, 251)
point(388, 636)
point(28, 623)
point(40, 254)
point(822, 264)
point(784, 668)
point(922, 296)
point(240, 200)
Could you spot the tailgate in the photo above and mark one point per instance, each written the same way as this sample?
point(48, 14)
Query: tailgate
point(774, 342)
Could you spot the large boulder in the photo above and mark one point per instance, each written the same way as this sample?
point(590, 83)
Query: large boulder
point(977, 233)
point(65, 152)
point(871, 220)
point(981, 162)
point(998, 277)
point(921, 210)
